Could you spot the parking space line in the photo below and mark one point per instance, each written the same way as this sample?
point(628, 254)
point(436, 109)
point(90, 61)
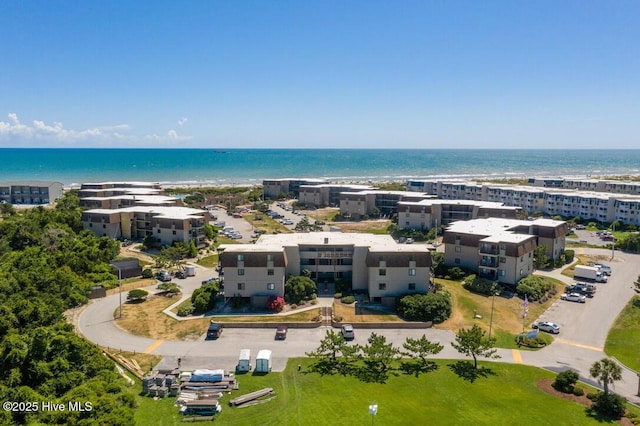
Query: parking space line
point(517, 356)
point(579, 345)
point(153, 346)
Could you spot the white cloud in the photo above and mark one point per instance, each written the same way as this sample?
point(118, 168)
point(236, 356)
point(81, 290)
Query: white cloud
point(55, 134)
point(182, 121)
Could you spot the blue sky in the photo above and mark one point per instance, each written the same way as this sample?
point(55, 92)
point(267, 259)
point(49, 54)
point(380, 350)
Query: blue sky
point(314, 74)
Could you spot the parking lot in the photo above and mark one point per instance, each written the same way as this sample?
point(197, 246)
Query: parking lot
point(588, 323)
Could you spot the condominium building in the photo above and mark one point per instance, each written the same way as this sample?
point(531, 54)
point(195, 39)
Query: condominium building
point(326, 194)
point(426, 214)
point(30, 192)
point(357, 205)
point(278, 188)
point(502, 249)
point(589, 199)
point(166, 224)
point(374, 264)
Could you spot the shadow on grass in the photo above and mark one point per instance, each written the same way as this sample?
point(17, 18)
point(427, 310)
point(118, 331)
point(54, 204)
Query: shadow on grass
point(417, 368)
point(467, 371)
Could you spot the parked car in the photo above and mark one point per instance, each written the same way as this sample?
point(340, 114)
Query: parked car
point(588, 290)
point(281, 332)
point(547, 326)
point(164, 276)
point(215, 330)
point(181, 274)
point(347, 332)
point(210, 280)
point(574, 297)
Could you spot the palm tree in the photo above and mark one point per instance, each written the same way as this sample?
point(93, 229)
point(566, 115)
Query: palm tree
point(606, 372)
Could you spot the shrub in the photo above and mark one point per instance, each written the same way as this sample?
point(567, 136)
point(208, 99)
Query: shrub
point(147, 273)
point(455, 273)
point(348, 300)
point(569, 255)
point(532, 287)
point(480, 285)
point(314, 302)
point(609, 405)
point(293, 306)
point(592, 396)
point(337, 318)
point(137, 294)
point(578, 391)
point(185, 310)
point(338, 296)
point(565, 381)
point(434, 307)
point(275, 303)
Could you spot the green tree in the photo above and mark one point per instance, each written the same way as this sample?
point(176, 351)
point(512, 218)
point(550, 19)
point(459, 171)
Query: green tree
point(420, 349)
point(565, 381)
point(472, 342)
point(378, 357)
point(434, 307)
point(333, 355)
point(606, 372)
point(540, 258)
point(299, 288)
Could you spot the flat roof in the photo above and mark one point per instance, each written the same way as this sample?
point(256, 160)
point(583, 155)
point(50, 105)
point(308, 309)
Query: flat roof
point(277, 242)
point(179, 213)
point(496, 226)
point(429, 202)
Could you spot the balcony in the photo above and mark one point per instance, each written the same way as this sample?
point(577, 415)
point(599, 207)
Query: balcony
point(489, 263)
point(489, 250)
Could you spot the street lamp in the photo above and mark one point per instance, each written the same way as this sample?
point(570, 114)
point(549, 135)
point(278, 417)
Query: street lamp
point(373, 410)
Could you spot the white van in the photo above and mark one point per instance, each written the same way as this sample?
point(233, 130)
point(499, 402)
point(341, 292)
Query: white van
point(244, 361)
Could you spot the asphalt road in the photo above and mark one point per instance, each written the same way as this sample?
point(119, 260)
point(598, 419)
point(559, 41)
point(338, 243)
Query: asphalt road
point(584, 328)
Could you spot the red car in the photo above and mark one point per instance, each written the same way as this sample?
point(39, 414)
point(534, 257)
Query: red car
point(281, 332)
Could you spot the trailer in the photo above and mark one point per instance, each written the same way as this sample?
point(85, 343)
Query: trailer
point(244, 361)
point(591, 273)
point(263, 361)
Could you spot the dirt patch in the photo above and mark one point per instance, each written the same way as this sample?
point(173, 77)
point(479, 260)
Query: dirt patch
point(363, 226)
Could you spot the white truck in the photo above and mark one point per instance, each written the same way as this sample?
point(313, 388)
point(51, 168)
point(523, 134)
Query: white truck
point(591, 273)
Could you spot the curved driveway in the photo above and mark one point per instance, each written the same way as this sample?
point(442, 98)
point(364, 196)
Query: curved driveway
point(584, 331)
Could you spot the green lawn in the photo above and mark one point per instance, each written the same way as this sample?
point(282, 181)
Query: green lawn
point(210, 261)
point(623, 341)
point(507, 396)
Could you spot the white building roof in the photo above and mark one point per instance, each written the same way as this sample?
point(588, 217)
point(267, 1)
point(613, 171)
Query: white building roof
point(168, 212)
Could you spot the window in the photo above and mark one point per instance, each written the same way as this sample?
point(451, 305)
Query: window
point(240, 286)
point(269, 271)
point(271, 286)
point(269, 258)
point(174, 232)
point(503, 260)
point(91, 225)
point(382, 272)
point(521, 258)
point(412, 286)
point(412, 272)
point(240, 271)
point(457, 261)
point(503, 246)
point(502, 272)
point(241, 258)
point(382, 286)
point(458, 249)
point(159, 231)
point(529, 255)
point(521, 272)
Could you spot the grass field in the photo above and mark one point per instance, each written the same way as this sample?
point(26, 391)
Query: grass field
point(623, 341)
point(210, 261)
point(507, 312)
point(266, 224)
point(508, 395)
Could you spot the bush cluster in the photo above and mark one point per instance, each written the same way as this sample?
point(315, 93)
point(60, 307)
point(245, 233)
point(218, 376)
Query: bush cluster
point(609, 405)
point(434, 307)
point(565, 381)
point(348, 300)
point(186, 310)
point(204, 298)
point(534, 288)
point(480, 285)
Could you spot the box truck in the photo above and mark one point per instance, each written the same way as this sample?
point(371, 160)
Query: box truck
point(589, 273)
point(263, 361)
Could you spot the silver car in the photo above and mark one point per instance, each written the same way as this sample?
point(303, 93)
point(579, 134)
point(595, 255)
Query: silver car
point(574, 297)
point(549, 327)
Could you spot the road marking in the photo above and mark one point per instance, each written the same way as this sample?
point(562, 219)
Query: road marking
point(153, 346)
point(579, 345)
point(517, 356)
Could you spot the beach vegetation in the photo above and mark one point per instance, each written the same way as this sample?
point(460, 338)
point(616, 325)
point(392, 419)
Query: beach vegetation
point(435, 307)
point(48, 266)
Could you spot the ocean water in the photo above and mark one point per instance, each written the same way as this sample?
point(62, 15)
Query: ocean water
point(241, 166)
